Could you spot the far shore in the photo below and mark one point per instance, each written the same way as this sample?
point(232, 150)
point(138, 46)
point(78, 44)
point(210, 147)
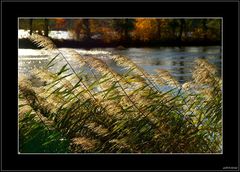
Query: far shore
point(25, 43)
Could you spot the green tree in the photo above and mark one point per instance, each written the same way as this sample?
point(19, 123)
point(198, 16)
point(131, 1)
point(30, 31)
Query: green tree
point(214, 29)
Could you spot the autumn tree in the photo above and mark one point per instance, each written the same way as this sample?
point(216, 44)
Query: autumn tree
point(77, 28)
point(60, 23)
point(161, 28)
point(123, 27)
point(146, 29)
point(81, 29)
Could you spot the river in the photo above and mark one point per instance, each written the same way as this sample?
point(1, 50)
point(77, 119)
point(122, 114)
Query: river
point(178, 61)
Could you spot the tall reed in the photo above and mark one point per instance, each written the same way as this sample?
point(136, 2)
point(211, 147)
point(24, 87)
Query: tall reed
point(95, 109)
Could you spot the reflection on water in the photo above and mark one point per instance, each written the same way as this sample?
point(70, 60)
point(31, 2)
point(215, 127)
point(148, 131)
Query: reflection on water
point(177, 60)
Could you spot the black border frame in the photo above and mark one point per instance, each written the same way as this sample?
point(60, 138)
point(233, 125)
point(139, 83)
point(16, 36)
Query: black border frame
point(12, 161)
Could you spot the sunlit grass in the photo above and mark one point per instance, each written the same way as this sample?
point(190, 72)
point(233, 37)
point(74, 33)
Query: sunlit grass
point(95, 109)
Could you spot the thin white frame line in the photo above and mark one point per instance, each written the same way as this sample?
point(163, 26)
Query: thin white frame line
point(238, 81)
point(1, 84)
point(18, 92)
point(222, 77)
point(125, 1)
point(141, 154)
point(123, 170)
point(119, 17)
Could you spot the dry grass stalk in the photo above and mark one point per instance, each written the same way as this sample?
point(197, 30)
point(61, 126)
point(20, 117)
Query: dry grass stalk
point(42, 41)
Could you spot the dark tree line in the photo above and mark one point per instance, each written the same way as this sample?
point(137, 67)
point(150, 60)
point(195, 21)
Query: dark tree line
point(129, 29)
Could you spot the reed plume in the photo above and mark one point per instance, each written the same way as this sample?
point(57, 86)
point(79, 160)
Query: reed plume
point(42, 41)
point(89, 107)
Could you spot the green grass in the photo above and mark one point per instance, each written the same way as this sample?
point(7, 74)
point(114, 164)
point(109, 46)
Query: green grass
point(100, 111)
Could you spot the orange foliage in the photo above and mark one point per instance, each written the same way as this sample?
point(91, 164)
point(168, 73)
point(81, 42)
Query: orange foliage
point(60, 23)
point(94, 25)
point(145, 29)
point(109, 34)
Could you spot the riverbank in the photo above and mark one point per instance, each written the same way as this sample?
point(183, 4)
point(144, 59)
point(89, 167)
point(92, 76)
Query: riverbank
point(25, 43)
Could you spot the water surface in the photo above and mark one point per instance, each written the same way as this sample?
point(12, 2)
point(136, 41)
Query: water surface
point(178, 61)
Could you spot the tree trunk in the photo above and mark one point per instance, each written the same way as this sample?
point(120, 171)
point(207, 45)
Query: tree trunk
point(86, 29)
point(159, 29)
point(125, 31)
point(31, 26)
point(204, 26)
point(182, 27)
point(77, 28)
point(46, 27)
